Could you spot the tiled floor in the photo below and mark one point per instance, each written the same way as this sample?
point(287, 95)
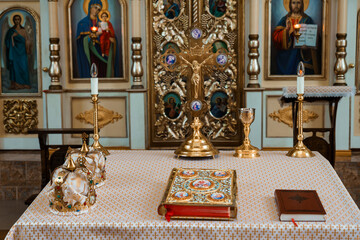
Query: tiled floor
point(10, 211)
point(348, 169)
point(349, 173)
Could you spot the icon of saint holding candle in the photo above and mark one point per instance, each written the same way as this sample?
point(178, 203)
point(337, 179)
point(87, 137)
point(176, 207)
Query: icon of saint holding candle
point(99, 46)
point(283, 37)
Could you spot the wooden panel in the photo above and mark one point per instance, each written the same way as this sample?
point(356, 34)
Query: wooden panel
point(279, 119)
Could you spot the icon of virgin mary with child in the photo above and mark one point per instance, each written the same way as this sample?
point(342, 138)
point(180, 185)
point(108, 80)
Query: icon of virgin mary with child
point(104, 54)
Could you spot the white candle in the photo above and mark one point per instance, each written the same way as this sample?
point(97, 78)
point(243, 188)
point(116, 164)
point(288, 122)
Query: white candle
point(136, 19)
point(53, 20)
point(300, 85)
point(254, 17)
point(342, 16)
point(94, 86)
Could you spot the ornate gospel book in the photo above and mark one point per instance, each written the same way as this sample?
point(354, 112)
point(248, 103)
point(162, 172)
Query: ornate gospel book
point(299, 205)
point(200, 194)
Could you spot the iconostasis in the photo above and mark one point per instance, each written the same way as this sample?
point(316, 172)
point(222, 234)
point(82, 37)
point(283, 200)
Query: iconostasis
point(145, 52)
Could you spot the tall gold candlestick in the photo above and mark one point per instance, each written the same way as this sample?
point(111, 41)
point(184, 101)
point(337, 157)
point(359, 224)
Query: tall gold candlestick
point(96, 137)
point(300, 150)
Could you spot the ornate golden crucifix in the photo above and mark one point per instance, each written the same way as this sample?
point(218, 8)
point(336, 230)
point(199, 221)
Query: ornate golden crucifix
point(196, 78)
point(198, 60)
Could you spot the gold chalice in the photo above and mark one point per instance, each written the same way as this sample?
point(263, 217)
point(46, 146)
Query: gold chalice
point(246, 150)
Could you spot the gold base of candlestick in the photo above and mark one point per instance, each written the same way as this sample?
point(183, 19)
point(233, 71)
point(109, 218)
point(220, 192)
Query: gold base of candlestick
point(300, 151)
point(96, 145)
point(197, 145)
point(246, 151)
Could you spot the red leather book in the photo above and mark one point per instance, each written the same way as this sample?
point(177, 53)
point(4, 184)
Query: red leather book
point(299, 205)
point(200, 194)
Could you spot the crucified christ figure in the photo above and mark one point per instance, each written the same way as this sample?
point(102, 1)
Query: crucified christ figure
point(195, 78)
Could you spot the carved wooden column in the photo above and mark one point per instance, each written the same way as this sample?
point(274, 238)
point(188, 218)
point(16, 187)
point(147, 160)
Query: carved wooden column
point(136, 46)
point(54, 47)
point(253, 68)
point(341, 67)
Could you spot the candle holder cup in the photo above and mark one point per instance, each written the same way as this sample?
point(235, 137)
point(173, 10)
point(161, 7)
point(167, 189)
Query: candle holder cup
point(246, 150)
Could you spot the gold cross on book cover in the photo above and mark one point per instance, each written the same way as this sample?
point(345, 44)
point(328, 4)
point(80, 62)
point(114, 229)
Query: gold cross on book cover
point(200, 194)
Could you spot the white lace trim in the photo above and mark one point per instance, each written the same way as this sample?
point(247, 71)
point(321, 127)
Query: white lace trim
point(321, 91)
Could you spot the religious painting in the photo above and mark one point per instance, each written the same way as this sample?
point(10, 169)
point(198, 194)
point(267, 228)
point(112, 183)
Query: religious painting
point(218, 104)
point(296, 33)
point(172, 46)
point(219, 45)
point(217, 7)
point(97, 31)
point(20, 52)
point(172, 8)
point(172, 104)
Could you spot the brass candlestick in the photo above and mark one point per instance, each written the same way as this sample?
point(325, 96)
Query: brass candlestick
point(246, 150)
point(300, 150)
point(96, 137)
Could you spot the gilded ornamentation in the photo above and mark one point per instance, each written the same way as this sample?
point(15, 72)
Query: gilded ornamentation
point(105, 116)
point(184, 48)
point(20, 116)
point(284, 115)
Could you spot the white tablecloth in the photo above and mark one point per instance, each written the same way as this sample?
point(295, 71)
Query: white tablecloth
point(127, 203)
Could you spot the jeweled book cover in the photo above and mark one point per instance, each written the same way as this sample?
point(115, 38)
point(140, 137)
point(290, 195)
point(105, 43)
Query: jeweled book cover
point(200, 194)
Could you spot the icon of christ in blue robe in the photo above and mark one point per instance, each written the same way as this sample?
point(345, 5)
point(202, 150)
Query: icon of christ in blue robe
point(89, 52)
point(288, 57)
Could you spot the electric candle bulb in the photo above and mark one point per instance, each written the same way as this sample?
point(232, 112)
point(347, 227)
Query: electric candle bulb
point(297, 26)
point(94, 79)
point(300, 78)
point(94, 29)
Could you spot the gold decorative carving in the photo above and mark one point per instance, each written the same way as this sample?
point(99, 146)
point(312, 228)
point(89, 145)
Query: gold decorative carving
point(285, 116)
point(215, 31)
point(20, 116)
point(105, 116)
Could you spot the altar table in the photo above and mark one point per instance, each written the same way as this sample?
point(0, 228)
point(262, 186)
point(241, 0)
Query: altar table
point(127, 203)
